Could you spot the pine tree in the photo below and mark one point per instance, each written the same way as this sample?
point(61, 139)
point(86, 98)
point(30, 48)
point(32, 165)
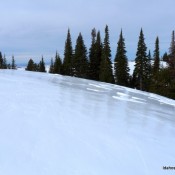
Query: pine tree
point(57, 66)
point(165, 57)
point(121, 68)
point(68, 56)
point(13, 63)
point(98, 55)
point(51, 69)
point(1, 61)
point(30, 65)
point(4, 64)
point(92, 56)
point(149, 63)
point(163, 83)
point(106, 73)
point(80, 61)
point(141, 71)
point(42, 65)
point(156, 65)
point(171, 60)
point(95, 53)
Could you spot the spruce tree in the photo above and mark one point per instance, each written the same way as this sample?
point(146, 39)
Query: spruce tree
point(92, 55)
point(57, 66)
point(1, 61)
point(30, 65)
point(156, 65)
point(51, 69)
point(141, 72)
point(106, 73)
point(98, 55)
point(13, 63)
point(171, 60)
point(42, 65)
point(68, 56)
point(121, 68)
point(163, 83)
point(4, 64)
point(95, 53)
point(165, 57)
point(80, 61)
point(149, 63)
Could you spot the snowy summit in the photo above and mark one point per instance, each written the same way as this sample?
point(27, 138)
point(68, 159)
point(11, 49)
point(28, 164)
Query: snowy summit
point(59, 125)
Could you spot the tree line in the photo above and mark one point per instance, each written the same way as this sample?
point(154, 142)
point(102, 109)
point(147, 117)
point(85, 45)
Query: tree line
point(96, 64)
point(5, 65)
point(148, 75)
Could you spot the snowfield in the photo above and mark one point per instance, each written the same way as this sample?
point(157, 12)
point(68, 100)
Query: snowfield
point(58, 125)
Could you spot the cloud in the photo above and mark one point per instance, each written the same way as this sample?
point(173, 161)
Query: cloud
point(41, 26)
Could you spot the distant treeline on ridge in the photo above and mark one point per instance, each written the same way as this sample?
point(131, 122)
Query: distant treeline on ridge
point(97, 65)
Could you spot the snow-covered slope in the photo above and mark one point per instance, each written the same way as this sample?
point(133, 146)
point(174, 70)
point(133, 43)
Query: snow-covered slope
point(56, 125)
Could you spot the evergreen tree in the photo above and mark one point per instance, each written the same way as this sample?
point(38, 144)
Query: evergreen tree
point(95, 53)
point(163, 83)
point(141, 71)
point(4, 64)
point(13, 63)
point(149, 63)
point(57, 66)
point(68, 56)
point(80, 59)
point(41, 66)
point(1, 61)
point(92, 56)
point(171, 60)
point(156, 65)
point(165, 57)
point(31, 65)
point(98, 55)
point(106, 73)
point(121, 68)
point(36, 67)
point(51, 69)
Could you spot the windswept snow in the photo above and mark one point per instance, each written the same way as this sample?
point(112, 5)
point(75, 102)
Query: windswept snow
point(58, 125)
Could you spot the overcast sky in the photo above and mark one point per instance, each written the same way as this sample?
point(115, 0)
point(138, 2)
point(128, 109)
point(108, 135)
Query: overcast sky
point(32, 28)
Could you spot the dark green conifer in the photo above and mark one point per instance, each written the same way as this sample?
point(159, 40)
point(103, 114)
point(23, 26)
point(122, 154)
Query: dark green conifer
point(141, 71)
point(92, 56)
point(149, 63)
point(1, 61)
point(68, 56)
point(80, 61)
point(165, 57)
point(171, 60)
point(13, 66)
point(163, 83)
point(95, 55)
point(106, 73)
point(98, 55)
point(30, 65)
point(156, 65)
point(121, 68)
point(42, 65)
point(4, 64)
point(51, 69)
point(57, 64)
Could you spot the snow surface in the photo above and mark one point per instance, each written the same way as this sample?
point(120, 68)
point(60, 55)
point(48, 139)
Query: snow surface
point(58, 125)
